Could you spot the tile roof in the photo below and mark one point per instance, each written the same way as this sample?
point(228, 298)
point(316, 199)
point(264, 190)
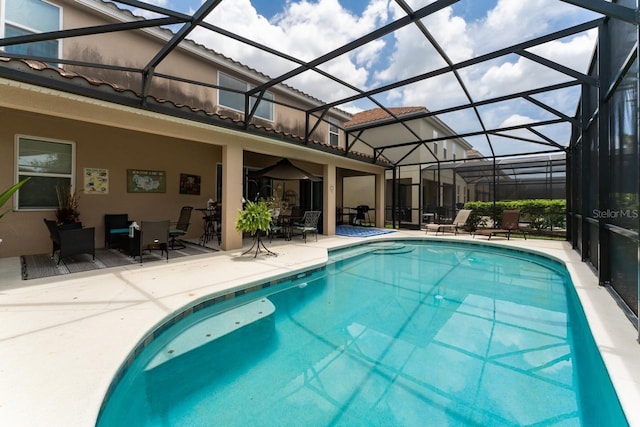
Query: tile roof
point(377, 114)
point(258, 74)
point(101, 89)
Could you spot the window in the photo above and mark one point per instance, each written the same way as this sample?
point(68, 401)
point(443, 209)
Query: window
point(24, 17)
point(49, 163)
point(334, 133)
point(435, 144)
point(234, 98)
point(219, 181)
point(444, 149)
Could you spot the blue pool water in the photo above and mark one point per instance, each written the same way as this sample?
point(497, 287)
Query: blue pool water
point(388, 334)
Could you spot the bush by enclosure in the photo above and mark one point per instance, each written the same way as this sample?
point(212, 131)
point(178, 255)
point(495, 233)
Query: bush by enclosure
point(541, 214)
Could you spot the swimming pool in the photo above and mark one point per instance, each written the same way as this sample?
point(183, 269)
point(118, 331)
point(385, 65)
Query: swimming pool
point(396, 333)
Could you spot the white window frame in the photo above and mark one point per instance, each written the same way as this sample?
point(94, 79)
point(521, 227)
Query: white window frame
point(435, 143)
point(71, 175)
point(334, 130)
point(268, 97)
point(25, 27)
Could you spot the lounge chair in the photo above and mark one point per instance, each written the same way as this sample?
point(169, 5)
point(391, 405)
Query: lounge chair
point(510, 224)
point(458, 223)
point(181, 227)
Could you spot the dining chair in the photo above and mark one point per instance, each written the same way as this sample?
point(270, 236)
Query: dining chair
point(308, 224)
point(180, 228)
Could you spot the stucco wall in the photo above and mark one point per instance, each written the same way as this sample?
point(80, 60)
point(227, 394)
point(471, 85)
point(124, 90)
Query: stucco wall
point(116, 150)
point(136, 48)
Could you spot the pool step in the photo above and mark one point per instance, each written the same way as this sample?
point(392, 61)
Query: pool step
point(212, 328)
point(374, 248)
point(393, 248)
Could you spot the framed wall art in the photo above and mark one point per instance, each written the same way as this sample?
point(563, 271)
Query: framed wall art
point(190, 184)
point(146, 181)
point(96, 181)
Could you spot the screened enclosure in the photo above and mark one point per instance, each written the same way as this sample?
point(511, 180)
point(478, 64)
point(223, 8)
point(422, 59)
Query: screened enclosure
point(603, 163)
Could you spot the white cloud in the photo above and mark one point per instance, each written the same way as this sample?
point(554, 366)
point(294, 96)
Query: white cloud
point(149, 15)
point(574, 53)
point(511, 22)
point(515, 120)
point(307, 29)
point(413, 55)
point(304, 30)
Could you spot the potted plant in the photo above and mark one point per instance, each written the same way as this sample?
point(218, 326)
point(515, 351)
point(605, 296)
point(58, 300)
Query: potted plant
point(255, 219)
point(67, 212)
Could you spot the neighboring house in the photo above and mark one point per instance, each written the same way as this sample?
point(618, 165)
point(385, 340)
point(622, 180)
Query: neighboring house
point(68, 122)
point(421, 187)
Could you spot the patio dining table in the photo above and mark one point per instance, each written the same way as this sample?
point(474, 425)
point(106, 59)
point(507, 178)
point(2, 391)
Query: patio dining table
point(211, 221)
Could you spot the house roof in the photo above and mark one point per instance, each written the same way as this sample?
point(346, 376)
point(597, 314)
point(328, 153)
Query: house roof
point(37, 72)
point(256, 74)
point(378, 114)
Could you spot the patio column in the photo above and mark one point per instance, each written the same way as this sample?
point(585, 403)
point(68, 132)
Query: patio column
point(232, 164)
point(329, 200)
point(380, 184)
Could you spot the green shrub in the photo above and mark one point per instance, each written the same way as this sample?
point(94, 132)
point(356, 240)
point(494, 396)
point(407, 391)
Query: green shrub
point(255, 216)
point(541, 214)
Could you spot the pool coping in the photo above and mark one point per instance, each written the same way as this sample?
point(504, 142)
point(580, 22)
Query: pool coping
point(64, 339)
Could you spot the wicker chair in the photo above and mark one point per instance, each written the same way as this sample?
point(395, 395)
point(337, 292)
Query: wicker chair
point(153, 235)
point(71, 239)
point(116, 231)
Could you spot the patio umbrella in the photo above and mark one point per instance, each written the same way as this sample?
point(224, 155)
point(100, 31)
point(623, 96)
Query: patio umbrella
point(285, 170)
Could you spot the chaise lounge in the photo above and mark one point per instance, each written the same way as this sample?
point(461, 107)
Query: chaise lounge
point(510, 224)
point(458, 223)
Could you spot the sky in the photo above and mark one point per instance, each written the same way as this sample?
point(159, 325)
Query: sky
point(305, 29)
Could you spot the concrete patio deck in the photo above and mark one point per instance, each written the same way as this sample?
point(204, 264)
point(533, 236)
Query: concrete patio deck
point(63, 338)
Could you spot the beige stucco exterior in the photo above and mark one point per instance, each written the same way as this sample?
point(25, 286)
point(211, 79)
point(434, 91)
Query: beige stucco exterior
point(118, 138)
point(190, 61)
